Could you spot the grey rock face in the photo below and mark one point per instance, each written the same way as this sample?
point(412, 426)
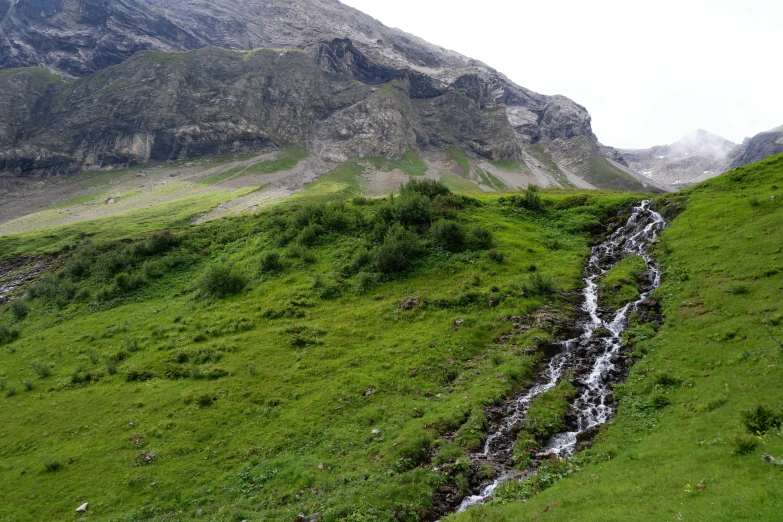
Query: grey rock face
point(696, 157)
point(757, 148)
point(339, 81)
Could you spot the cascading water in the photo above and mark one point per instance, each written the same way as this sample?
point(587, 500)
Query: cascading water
point(591, 358)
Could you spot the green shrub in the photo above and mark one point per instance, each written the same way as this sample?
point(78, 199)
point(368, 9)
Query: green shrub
point(156, 244)
point(659, 401)
point(425, 187)
point(310, 235)
point(479, 238)
point(19, 309)
point(412, 210)
point(8, 334)
point(530, 199)
point(448, 235)
point(42, 370)
point(140, 375)
point(760, 420)
point(271, 262)
point(538, 284)
point(744, 444)
point(400, 249)
point(28, 384)
point(301, 252)
point(176, 371)
point(130, 344)
point(221, 281)
point(52, 465)
point(206, 399)
point(81, 375)
point(738, 289)
point(495, 256)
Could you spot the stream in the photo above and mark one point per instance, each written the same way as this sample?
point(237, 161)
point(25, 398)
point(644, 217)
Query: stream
point(595, 360)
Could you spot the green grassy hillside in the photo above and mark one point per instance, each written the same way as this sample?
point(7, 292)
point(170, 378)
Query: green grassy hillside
point(337, 357)
point(310, 358)
point(704, 402)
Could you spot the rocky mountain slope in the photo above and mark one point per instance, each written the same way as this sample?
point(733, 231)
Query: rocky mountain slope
point(695, 157)
point(700, 156)
point(757, 148)
point(151, 81)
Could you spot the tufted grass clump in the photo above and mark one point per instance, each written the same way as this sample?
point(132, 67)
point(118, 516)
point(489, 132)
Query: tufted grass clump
point(51, 465)
point(42, 370)
point(221, 281)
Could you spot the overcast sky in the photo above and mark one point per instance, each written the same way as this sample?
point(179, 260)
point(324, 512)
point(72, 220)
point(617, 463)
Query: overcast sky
point(648, 72)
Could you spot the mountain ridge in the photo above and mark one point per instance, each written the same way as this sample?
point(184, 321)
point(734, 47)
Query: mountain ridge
point(447, 99)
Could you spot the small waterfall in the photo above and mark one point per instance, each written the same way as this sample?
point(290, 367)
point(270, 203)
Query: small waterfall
point(595, 356)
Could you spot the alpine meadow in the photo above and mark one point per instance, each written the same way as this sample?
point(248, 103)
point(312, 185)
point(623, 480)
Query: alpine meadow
point(272, 260)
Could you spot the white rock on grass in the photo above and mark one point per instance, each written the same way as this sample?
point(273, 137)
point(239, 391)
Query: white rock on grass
point(82, 508)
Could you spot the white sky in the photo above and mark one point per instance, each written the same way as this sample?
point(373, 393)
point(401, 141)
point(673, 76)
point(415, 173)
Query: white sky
point(648, 72)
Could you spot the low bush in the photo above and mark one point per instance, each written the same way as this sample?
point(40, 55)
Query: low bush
point(479, 238)
point(42, 370)
point(760, 420)
point(744, 444)
point(52, 465)
point(412, 210)
point(221, 281)
point(399, 251)
point(449, 235)
point(8, 334)
point(19, 309)
point(271, 262)
point(206, 399)
point(538, 284)
point(140, 375)
point(425, 187)
point(310, 235)
point(300, 252)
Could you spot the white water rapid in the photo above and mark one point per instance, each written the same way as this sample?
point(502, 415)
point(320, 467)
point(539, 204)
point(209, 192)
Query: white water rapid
point(596, 355)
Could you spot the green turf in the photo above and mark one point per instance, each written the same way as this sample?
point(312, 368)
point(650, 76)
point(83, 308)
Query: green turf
point(620, 284)
point(59, 238)
point(410, 163)
point(458, 184)
point(263, 404)
point(672, 452)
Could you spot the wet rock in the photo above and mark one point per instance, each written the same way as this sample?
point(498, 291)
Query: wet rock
point(588, 434)
point(601, 333)
point(409, 303)
point(301, 517)
point(581, 446)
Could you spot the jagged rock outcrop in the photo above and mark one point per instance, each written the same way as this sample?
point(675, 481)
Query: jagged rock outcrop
point(145, 83)
point(757, 148)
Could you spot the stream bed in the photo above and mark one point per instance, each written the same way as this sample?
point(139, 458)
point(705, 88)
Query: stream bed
point(593, 363)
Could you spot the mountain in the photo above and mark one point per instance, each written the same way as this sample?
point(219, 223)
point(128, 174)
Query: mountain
point(700, 156)
point(696, 157)
point(95, 84)
point(757, 148)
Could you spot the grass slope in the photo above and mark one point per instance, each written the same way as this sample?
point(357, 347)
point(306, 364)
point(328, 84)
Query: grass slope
point(300, 385)
point(678, 448)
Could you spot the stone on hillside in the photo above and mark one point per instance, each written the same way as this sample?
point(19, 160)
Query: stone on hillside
point(83, 508)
